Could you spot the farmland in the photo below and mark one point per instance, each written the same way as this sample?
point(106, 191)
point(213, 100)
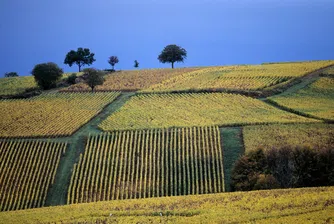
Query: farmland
point(187, 110)
point(16, 85)
point(317, 136)
point(132, 80)
point(306, 205)
point(244, 77)
point(131, 150)
point(315, 100)
point(53, 115)
point(153, 163)
point(27, 170)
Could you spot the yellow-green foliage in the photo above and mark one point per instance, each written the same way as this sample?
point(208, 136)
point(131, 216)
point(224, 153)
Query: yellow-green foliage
point(16, 85)
point(329, 71)
point(50, 114)
point(188, 110)
point(316, 136)
point(132, 80)
point(245, 77)
point(305, 205)
point(27, 169)
point(316, 99)
point(152, 163)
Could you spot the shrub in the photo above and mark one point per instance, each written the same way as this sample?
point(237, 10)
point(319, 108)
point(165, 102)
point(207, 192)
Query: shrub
point(71, 78)
point(266, 181)
point(11, 74)
point(47, 74)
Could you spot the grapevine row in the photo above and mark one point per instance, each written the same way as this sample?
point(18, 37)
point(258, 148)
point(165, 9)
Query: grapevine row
point(148, 163)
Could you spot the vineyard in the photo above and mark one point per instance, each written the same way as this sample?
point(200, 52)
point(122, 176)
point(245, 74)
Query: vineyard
point(27, 169)
point(317, 136)
point(244, 77)
point(304, 205)
point(53, 115)
point(132, 80)
point(188, 110)
point(315, 100)
point(16, 85)
point(152, 163)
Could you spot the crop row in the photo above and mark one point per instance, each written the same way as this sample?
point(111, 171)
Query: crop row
point(27, 169)
point(148, 163)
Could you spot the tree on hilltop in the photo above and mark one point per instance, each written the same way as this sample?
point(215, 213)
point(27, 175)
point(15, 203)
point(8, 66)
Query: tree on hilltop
point(11, 74)
point(136, 65)
point(113, 60)
point(172, 53)
point(80, 57)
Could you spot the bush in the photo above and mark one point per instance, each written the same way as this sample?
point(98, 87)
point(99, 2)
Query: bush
point(71, 79)
point(11, 74)
point(285, 167)
point(47, 74)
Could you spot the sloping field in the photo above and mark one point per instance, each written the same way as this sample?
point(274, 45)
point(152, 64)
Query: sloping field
point(188, 110)
point(306, 205)
point(317, 136)
point(50, 114)
point(144, 164)
point(316, 100)
point(16, 85)
point(27, 169)
point(132, 80)
point(244, 77)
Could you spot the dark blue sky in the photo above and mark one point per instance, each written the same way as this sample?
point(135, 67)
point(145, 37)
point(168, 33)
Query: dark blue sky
point(214, 32)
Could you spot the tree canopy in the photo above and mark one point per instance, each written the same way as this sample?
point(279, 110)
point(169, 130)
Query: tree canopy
point(136, 65)
point(94, 78)
point(172, 53)
point(113, 60)
point(47, 74)
point(80, 57)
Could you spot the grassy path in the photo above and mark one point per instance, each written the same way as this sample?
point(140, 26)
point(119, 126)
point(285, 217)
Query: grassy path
point(233, 147)
point(57, 194)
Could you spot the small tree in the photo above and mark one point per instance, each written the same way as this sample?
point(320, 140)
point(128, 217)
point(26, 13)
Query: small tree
point(113, 60)
point(80, 57)
point(136, 64)
point(172, 53)
point(94, 78)
point(47, 74)
point(11, 74)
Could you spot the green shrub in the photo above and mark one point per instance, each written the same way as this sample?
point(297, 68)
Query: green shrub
point(71, 79)
point(47, 74)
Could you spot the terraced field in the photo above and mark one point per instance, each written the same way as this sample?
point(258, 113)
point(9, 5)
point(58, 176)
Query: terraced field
point(50, 114)
point(16, 85)
point(27, 169)
point(317, 136)
point(152, 163)
point(316, 100)
point(244, 77)
point(189, 110)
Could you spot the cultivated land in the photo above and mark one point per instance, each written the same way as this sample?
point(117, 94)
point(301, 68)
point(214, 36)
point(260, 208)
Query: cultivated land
point(196, 109)
point(149, 146)
point(306, 205)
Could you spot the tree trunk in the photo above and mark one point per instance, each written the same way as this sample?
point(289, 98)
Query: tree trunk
point(79, 68)
point(172, 64)
point(92, 88)
point(113, 67)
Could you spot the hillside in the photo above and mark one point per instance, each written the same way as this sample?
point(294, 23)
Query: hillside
point(163, 140)
point(307, 205)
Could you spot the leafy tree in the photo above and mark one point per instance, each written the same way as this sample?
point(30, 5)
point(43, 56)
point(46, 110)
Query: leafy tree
point(136, 64)
point(113, 60)
point(47, 74)
point(11, 74)
point(172, 53)
point(94, 78)
point(80, 57)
